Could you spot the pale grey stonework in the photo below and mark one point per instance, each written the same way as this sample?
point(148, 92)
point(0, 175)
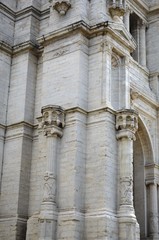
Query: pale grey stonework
point(79, 120)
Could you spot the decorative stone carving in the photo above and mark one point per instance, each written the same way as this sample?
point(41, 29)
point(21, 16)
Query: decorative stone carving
point(61, 6)
point(117, 9)
point(133, 96)
point(49, 187)
point(53, 115)
point(126, 191)
point(52, 123)
point(127, 123)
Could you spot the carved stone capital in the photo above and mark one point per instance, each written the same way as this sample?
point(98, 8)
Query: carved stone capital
point(117, 10)
point(151, 181)
point(52, 120)
point(61, 6)
point(127, 123)
point(128, 9)
point(52, 130)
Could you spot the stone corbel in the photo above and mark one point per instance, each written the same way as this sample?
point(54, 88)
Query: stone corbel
point(117, 10)
point(61, 6)
point(133, 96)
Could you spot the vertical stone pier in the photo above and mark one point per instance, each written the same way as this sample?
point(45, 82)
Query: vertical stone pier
point(142, 44)
point(52, 124)
point(126, 125)
point(153, 209)
point(127, 18)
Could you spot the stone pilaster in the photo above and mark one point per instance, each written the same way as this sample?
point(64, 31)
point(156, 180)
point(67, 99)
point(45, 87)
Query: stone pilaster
point(153, 210)
point(126, 125)
point(106, 72)
point(142, 44)
point(52, 123)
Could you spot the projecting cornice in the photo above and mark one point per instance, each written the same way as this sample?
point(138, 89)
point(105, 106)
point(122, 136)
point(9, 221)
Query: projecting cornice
point(25, 46)
point(118, 32)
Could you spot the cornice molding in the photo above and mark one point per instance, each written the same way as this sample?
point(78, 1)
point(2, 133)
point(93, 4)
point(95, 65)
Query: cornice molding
point(6, 47)
point(17, 15)
point(88, 31)
point(6, 10)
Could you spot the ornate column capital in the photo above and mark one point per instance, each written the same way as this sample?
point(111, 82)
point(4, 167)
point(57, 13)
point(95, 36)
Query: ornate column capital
point(143, 24)
point(117, 9)
point(126, 123)
point(52, 120)
point(151, 181)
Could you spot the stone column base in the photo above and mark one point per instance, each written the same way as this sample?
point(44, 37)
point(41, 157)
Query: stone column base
point(33, 227)
point(155, 237)
point(47, 221)
point(128, 229)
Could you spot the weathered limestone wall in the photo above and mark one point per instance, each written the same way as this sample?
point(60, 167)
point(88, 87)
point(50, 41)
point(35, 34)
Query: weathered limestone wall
point(16, 164)
point(152, 46)
point(101, 176)
point(6, 25)
point(89, 72)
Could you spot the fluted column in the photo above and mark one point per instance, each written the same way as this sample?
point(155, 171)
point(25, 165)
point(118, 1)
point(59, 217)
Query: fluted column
point(52, 124)
point(153, 210)
point(142, 44)
point(126, 125)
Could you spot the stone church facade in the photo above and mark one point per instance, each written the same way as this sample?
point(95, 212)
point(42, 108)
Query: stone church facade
point(79, 119)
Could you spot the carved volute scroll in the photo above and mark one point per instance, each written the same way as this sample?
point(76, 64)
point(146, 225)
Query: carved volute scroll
point(61, 6)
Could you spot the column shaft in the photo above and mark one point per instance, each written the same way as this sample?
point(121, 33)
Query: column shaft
point(127, 19)
point(52, 122)
point(126, 124)
point(51, 153)
point(126, 176)
point(142, 45)
point(153, 211)
point(107, 55)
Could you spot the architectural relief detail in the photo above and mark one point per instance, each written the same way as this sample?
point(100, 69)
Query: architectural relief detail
point(117, 9)
point(52, 123)
point(52, 115)
point(133, 96)
point(49, 187)
point(126, 191)
point(61, 6)
point(127, 123)
point(60, 52)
